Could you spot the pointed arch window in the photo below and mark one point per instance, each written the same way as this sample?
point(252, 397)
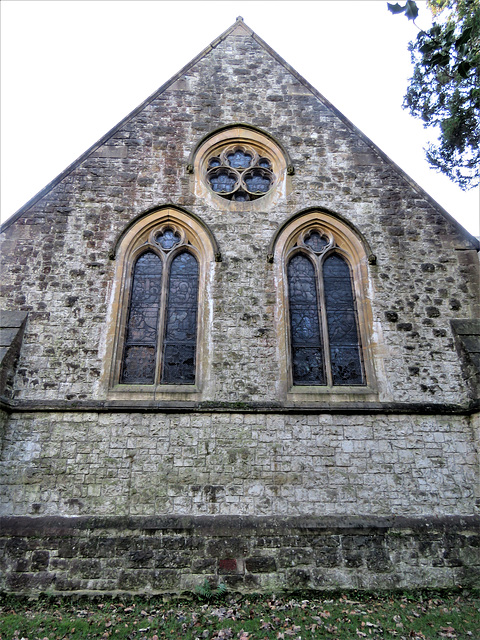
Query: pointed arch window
point(161, 331)
point(160, 318)
point(323, 312)
point(324, 336)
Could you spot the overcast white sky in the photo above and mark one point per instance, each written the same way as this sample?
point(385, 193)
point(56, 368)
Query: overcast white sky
point(71, 70)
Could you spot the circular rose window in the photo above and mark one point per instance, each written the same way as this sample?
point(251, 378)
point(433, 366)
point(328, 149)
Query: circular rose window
point(237, 172)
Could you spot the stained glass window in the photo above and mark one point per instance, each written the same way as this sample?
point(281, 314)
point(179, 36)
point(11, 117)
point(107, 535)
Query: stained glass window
point(168, 239)
point(141, 339)
point(257, 181)
point(181, 323)
point(239, 159)
point(239, 173)
point(343, 340)
point(222, 181)
point(316, 242)
point(325, 345)
point(307, 351)
point(154, 287)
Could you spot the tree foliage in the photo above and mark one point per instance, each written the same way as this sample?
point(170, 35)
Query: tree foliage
point(444, 90)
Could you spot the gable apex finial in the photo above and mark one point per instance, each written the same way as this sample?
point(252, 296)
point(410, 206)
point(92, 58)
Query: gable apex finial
point(239, 19)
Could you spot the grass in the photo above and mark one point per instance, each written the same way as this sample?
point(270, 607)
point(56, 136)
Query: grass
point(424, 615)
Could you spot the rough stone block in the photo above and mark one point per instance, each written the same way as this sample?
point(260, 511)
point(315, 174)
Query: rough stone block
point(233, 547)
point(260, 564)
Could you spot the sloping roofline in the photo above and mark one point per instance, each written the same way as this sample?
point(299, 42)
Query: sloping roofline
point(239, 24)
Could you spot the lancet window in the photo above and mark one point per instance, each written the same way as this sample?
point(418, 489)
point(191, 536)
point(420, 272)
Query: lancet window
point(324, 336)
point(161, 329)
point(157, 343)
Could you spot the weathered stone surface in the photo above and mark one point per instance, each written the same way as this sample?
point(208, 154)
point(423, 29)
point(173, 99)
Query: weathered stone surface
point(302, 553)
point(319, 464)
point(261, 564)
point(240, 451)
point(12, 324)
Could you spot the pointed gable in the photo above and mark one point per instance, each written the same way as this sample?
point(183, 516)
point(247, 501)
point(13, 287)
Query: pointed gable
point(237, 94)
point(236, 62)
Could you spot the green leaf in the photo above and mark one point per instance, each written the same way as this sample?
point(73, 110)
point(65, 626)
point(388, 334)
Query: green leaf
point(428, 47)
point(439, 60)
point(395, 8)
point(463, 69)
point(411, 9)
point(463, 38)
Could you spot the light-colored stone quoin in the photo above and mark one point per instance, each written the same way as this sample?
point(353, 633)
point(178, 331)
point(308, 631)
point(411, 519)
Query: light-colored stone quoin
point(328, 486)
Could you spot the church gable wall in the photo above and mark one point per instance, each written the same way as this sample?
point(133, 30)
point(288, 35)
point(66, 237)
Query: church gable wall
point(62, 274)
point(78, 443)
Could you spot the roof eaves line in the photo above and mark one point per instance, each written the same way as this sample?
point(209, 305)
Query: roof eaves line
point(71, 167)
point(471, 238)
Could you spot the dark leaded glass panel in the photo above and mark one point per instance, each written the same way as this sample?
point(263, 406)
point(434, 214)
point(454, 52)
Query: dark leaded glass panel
point(239, 159)
point(307, 352)
point(222, 181)
point(316, 242)
point(141, 336)
point(241, 196)
point(168, 239)
point(181, 322)
point(179, 364)
point(139, 365)
point(257, 181)
point(342, 322)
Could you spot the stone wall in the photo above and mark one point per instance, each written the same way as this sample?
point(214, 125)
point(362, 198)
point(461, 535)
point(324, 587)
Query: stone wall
point(56, 262)
point(250, 463)
point(73, 451)
point(176, 554)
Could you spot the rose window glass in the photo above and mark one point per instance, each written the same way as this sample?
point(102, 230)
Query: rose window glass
point(239, 173)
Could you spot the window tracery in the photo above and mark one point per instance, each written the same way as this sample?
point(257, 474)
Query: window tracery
point(238, 172)
point(323, 311)
point(161, 331)
point(159, 311)
point(238, 167)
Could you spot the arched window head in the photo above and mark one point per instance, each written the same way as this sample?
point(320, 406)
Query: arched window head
point(163, 263)
point(321, 267)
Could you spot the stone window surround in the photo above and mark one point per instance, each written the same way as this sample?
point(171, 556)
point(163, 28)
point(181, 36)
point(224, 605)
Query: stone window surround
point(355, 250)
point(132, 242)
point(241, 135)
